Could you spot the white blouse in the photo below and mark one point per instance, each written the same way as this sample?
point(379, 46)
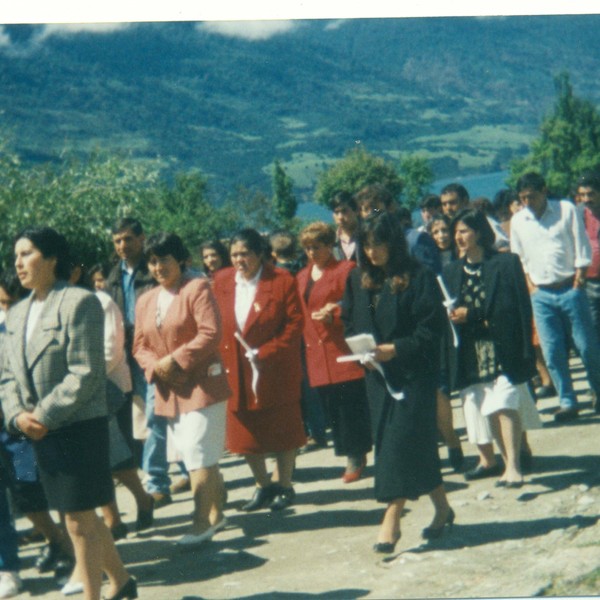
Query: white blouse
point(245, 292)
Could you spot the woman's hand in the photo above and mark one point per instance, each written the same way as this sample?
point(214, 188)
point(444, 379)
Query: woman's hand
point(168, 371)
point(325, 314)
point(459, 315)
point(384, 352)
point(31, 427)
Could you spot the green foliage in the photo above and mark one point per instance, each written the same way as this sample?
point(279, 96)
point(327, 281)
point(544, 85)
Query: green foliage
point(417, 177)
point(284, 201)
point(247, 208)
point(357, 169)
point(568, 144)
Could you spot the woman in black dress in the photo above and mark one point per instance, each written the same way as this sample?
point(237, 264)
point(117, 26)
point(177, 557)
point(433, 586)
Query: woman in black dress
point(398, 301)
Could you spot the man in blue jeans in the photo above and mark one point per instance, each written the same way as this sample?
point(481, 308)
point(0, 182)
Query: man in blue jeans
point(550, 238)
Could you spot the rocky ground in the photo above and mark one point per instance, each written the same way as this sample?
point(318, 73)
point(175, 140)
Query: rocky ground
point(542, 539)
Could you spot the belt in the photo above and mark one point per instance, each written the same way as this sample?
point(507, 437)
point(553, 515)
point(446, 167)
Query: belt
point(559, 285)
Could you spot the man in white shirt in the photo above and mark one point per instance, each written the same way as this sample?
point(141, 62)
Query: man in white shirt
point(550, 238)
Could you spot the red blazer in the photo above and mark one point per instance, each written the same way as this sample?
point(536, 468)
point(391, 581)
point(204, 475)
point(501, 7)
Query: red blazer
point(325, 341)
point(274, 328)
point(190, 332)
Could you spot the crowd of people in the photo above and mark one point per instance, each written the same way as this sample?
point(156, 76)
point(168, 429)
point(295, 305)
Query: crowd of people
point(361, 330)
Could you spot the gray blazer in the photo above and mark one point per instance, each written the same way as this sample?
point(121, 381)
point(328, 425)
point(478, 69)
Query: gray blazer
point(60, 373)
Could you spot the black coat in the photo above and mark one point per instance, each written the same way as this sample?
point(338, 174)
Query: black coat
point(507, 312)
point(406, 458)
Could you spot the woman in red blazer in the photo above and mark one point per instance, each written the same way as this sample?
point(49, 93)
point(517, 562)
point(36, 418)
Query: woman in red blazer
point(260, 303)
point(341, 386)
point(177, 333)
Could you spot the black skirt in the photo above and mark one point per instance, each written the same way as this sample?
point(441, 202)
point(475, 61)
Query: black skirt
point(73, 464)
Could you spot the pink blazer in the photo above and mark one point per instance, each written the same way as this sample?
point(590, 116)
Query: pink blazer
point(190, 333)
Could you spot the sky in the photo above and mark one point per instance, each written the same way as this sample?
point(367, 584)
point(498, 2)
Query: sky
point(74, 11)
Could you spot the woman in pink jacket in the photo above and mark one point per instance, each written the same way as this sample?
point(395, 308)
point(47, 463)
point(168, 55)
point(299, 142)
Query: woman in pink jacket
point(177, 334)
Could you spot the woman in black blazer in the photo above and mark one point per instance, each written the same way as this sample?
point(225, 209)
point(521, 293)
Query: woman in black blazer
point(495, 357)
point(398, 301)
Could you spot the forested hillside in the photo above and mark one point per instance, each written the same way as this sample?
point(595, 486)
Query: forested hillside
point(469, 93)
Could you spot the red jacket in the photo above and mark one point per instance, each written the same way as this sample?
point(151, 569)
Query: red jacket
point(274, 328)
point(190, 333)
point(325, 341)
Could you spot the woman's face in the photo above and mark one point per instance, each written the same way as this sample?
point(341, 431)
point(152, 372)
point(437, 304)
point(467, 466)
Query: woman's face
point(211, 259)
point(98, 281)
point(441, 235)
point(318, 253)
point(515, 206)
point(378, 254)
point(33, 270)
point(466, 239)
point(166, 270)
point(246, 262)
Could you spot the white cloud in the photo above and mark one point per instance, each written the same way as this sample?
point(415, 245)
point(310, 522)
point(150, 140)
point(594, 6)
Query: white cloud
point(66, 29)
point(4, 37)
point(249, 30)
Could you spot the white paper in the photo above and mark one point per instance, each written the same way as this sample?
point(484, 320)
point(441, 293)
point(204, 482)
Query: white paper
point(251, 356)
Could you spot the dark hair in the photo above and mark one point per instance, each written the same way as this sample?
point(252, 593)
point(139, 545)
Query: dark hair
point(437, 218)
point(125, 223)
point(166, 244)
point(477, 221)
point(531, 181)
point(430, 202)
point(52, 245)
point(375, 192)
point(219, 248)
point(502, 201)
point(483, 204)
point(384, 228)
point(11, 284)
point(404, 216)
point(458, 189)
point(589, 179)
point(342, 198)
point(252, 240)
point(102, 268)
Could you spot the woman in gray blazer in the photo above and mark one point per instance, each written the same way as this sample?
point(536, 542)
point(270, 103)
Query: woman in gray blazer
point(53, 390)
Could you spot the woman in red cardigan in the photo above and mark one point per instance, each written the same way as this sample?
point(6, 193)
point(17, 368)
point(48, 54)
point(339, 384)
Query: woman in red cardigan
point(260, 304)
point(341, 386)
point(177, 334)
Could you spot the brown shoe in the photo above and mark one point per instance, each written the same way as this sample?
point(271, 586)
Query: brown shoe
point(161, 500)
point(181, 485)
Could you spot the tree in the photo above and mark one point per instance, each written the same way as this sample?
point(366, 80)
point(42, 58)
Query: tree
point(357, 169)
point(417, 177)
point(568, 144)
point(284, 201)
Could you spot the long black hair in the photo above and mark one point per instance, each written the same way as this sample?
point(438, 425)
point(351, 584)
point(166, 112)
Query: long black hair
point(52, 245)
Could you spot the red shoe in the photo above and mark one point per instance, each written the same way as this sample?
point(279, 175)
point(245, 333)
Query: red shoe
point(354, 473)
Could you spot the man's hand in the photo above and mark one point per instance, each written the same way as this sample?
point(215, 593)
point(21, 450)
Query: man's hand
point(31, 427)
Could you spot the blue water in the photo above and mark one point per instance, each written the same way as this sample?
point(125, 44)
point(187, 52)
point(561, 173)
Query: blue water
point(478, 185)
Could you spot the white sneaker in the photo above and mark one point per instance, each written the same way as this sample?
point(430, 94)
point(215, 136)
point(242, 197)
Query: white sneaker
point(10, 584)
point(71, 588)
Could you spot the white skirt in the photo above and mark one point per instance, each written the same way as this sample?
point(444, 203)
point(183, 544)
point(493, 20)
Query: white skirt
point(197, 438)
point(484, 399)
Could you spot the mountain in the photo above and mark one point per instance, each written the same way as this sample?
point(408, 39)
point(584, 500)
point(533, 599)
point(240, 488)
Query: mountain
point(469, 93)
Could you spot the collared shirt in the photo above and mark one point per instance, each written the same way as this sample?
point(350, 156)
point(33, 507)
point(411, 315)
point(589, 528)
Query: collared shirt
point(553, 246)
point(347, 244)
point(501, 240)
point(128, 285)
point(245, 292)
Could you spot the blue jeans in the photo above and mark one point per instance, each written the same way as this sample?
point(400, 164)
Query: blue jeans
point(559, 315)
point(592, 291)
point(154, 458)
point(9, 549)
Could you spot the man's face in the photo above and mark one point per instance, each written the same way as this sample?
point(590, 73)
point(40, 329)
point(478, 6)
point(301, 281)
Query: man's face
point(535, 200)
point(589, 196)
point(450, 204)
point(345, 218)
point(129, 246)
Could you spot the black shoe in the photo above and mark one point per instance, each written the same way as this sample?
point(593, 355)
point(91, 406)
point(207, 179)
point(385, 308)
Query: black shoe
point(545, 391)
point(261, 499)
point(50, 555)
point(63, 569)
point(456, 458)
point(127, 592)
point(481, 472)
point(145, 518)
point(385, 547)
point(433, 533)
point(562, 415)
point(119, 532)
point(283, 498)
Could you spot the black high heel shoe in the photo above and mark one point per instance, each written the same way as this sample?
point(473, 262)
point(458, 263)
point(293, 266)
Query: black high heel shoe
point(433, 533)
point(127, 592)
point(385, 547)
